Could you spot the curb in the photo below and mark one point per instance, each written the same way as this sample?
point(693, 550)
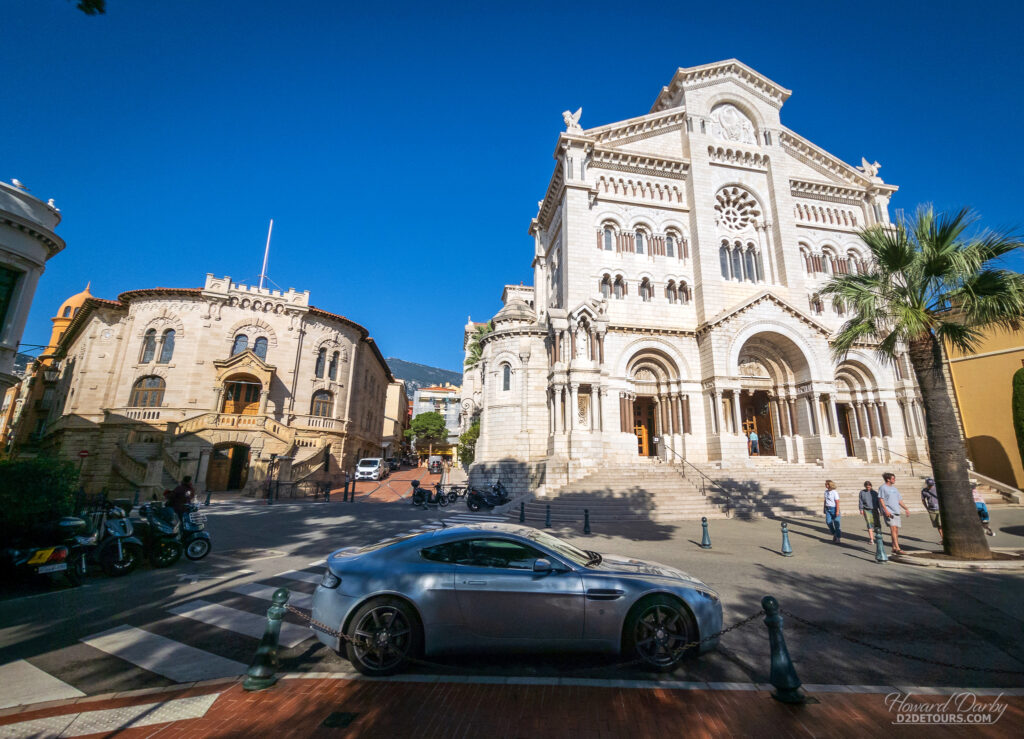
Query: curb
point(918, 560)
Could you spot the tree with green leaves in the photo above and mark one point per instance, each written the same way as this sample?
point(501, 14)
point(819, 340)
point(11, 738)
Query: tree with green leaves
point(467, 443)
point(33, 492)
point(1017, 410)
point(476, 348)
point(428, 429)
point(931, 284)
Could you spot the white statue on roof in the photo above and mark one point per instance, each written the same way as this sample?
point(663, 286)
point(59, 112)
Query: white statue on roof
point(871, 170)
point(572, 120)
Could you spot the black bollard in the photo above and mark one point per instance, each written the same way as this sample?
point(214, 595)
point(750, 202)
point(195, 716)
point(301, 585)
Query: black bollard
point(586, 521)
point(783, 674)
point(208, 494)
point(787, 550)
point(270, 494)
point(261, 672)
point(522, 512)
point(547, 517)
point(135, 503)
point(705, 539)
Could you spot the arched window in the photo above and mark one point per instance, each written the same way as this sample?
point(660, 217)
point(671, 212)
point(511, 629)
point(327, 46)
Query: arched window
point(260, 347)
point(646, 291)
point(670, 292)
point(67, 312)
point(332, 368)
point(166, 346)
point(737, 264)
point(807, 261)
point(608, 238)
point(639, 242)
point(149, 346)
point(684, 293)
point(323, 404)
point(606, 287)
point(506, 377)
point(147, 392)
point(723, 259)
point(321, 360)
point(670, 245)
point(751, 270)
point(240, 345)
point(619, 288)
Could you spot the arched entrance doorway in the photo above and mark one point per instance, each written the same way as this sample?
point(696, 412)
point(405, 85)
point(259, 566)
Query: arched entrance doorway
point(229, 467)
point(659, 410)
point(774, 402)
point(859, 416)
point(242, 395)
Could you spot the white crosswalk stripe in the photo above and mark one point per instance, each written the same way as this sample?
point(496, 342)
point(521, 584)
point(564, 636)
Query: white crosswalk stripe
point(301, 576)
point(266, 592)
point(243, 622)
point(25, 683)
point(164, 656)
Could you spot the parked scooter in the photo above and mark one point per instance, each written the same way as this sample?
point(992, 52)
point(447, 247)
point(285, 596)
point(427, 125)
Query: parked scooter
point(32, 562)
point(496, 496)
point(117, 549)
point(194, 536)
point(424, 498)
point(160, 532)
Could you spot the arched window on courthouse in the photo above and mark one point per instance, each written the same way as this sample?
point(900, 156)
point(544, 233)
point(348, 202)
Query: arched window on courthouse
point(149, 346)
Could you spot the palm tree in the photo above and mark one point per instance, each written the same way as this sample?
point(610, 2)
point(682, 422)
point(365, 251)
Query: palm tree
point(931, 285)
point(475, 346)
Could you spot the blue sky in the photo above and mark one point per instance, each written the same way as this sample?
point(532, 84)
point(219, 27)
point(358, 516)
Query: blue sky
point(401, 149)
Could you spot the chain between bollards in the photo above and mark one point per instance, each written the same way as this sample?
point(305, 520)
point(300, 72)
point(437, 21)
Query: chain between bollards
point(586, 521)
point(787, 550)
point(705, 539)
point(261, 672)
point(783, 675)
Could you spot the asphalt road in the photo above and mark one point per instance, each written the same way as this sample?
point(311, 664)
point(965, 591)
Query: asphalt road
point(193, 620)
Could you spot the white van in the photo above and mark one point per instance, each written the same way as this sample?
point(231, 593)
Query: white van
point(371, 468)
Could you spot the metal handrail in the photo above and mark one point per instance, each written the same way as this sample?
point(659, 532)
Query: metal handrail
point(711, 481)
point(890, 451)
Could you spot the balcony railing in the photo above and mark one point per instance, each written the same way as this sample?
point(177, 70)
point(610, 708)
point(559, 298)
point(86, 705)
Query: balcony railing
point(318, 422)
point(231, 421)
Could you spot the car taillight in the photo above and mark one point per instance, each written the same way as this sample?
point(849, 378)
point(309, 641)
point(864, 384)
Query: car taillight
point(59, 555)
point(330, 580)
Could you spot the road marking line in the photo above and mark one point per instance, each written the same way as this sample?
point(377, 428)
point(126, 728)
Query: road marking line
point(301, 576)
point(164, 656)
point(108, 720)
point(266, 592)
point(24, 683)
point(242, 622)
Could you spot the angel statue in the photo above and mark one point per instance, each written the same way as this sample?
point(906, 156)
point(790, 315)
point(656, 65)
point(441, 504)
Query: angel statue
point(572, 120)
point(871, 170)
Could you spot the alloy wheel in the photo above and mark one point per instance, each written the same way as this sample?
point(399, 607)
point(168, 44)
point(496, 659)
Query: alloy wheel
point(383, 637)
point(660, 635)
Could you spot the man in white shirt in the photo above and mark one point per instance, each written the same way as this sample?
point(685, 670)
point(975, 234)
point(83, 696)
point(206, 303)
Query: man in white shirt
point(889, 503)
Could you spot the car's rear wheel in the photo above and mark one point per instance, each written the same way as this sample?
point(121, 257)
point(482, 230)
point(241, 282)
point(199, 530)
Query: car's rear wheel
point(382, 636)
point(657, 632)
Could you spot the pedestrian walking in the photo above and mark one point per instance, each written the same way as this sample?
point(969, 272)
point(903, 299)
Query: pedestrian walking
point(752, 443)
point(982, 506)
point(867, 504)
point(832, 511)
point(930, 498)
point(889, 503)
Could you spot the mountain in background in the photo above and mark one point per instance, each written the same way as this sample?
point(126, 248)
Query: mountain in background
point(417, 376)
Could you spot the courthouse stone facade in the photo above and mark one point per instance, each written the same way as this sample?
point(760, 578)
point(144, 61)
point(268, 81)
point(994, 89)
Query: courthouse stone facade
point(678, 258)
point(227, 382)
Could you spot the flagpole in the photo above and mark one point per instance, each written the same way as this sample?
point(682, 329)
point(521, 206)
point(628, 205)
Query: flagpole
point(266, 253)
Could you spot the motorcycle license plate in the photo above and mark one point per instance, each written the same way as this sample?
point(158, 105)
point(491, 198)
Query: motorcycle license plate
point(60, 567)
point(41, 556)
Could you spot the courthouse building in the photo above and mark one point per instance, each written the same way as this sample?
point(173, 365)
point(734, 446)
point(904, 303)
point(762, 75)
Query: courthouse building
point(678, 258)
point(227, 382)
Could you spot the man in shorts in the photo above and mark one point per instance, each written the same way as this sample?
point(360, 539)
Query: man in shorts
point(868, 506)
point(889, 503)
point(930, 498)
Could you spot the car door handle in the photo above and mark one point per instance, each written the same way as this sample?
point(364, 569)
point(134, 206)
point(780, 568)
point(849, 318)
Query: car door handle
point(474, 582)
point(604, 594)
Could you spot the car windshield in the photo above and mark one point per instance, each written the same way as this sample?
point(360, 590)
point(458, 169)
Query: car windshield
point(577, 556)
point(368, 462)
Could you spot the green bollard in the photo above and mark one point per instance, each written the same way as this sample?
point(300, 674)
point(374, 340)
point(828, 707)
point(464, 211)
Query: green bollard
point(586, 521)
point(787, 550)
point(705, 540)
point(783, 674)
point(261, 672)
point(547, 517)
point(522, 512)
point(879, 546)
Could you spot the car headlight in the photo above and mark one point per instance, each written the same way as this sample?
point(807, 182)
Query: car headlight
point(330, 580)
point(709, 594)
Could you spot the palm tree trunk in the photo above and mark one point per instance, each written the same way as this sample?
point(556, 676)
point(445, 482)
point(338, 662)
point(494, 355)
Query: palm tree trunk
point(963, 536)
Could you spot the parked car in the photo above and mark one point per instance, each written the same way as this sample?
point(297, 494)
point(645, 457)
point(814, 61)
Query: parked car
point(393, 464)
point(371, 468)
point(508, 587)
point(435, 466)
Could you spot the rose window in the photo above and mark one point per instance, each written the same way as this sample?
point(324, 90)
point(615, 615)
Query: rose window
point(735, 209)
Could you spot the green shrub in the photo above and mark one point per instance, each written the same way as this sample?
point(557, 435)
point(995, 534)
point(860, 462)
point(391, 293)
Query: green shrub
point(467, 444)
point(1017, 409)
point(33, 492)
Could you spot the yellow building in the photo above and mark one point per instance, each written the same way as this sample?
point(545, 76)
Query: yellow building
point(983, 382)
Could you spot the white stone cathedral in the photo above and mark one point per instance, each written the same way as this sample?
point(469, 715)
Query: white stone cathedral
point(677, 261)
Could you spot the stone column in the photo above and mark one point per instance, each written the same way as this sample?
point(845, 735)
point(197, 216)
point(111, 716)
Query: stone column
point(835, 414)
point(673, 405)
point(264, 396)
point(574, 407)
point(217, 391)
point(559, 418)
point(204, 464)
point(856, 419)
point(598, 401)
point(736, 419)
point(794, 421)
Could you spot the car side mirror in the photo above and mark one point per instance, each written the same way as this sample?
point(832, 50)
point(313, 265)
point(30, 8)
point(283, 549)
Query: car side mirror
point(542, 565)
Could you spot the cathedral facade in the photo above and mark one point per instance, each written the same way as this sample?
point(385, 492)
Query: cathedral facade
point(675, 312)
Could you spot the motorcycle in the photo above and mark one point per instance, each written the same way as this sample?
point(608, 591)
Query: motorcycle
point(193, 532)
point(32, 562)
point(424, 498)
point(117, 549)
point(496, 496)
point(160, 532)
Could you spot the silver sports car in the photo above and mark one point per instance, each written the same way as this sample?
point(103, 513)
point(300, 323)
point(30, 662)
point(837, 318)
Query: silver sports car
point(495, 586)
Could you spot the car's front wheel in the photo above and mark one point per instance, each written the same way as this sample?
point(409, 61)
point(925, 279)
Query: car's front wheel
point(382, 636)
point(658, 631)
